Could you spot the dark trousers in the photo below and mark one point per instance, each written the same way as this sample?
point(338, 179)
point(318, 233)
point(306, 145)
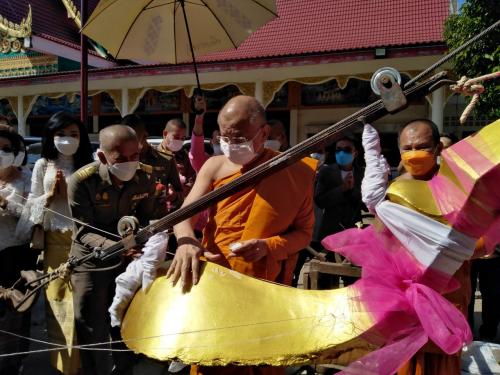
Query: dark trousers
point(92, 295)
point(488, 273)
point(12, 261)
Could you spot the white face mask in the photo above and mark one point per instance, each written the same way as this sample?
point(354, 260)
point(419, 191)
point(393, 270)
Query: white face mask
point(273, 144)
point(241, 153)
point(174, 144)
point(18, 161)
point(217, 149)
point(124, 171)
point(6, 159)
point(66, 145)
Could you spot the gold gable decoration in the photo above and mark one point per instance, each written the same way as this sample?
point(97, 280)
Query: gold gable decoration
point(12, 34)
point(73, 12)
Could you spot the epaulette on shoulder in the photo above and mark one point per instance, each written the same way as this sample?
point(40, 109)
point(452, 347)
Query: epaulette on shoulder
point(146, 168)
point(167, 154)
point(86, 171)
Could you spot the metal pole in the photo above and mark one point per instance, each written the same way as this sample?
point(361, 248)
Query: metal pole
point(83, 66)
point(190, 44)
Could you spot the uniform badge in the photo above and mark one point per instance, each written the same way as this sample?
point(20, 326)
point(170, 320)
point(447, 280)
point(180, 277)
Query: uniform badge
point(105, 196)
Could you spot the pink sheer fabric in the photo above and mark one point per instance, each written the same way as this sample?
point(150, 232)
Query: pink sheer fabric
point(404, 299)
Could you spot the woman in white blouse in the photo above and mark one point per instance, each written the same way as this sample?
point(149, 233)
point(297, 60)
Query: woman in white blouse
point(65, 148)
point(15, 254)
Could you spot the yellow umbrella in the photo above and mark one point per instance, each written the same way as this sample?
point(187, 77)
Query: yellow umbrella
point(174, 31)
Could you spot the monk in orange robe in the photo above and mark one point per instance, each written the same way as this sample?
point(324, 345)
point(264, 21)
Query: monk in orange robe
point(257, 231)
point(420, 146)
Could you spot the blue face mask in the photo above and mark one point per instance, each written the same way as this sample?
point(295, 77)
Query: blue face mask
point(343, 158)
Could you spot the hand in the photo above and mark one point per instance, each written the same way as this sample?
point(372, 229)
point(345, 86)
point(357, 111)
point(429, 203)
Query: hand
point(186, 262)
point(60, 188)
point(348, 183)
point(132, 253)
point(200, 105)
point(250, 250)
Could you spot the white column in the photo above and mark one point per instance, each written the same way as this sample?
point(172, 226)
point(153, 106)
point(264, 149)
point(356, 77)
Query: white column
point(21, 119)
point(124, 109)
point(259, 92)
point(294, 126)
point(437, 114)
point(95, 124)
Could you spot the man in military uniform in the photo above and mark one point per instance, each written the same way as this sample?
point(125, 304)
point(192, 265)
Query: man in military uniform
point(174, 135)
point(163, 163)
point(99, 195)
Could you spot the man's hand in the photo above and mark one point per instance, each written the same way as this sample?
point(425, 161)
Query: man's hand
point(250, 250)
point(200, 105)
point(186, 262)
point(348, 183)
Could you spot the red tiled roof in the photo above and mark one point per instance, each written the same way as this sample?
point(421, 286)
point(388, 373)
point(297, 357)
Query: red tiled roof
point(312, 26)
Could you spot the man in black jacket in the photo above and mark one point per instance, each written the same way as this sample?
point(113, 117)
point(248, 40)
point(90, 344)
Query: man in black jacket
point(338, 190)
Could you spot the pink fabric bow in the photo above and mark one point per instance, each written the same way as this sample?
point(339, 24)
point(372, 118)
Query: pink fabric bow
point(404, 299)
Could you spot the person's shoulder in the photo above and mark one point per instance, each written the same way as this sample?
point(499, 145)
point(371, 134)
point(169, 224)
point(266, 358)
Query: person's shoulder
point(164, 154)
point(40, 164)
point(85, 172)
point(146, 168)
point(329, 169)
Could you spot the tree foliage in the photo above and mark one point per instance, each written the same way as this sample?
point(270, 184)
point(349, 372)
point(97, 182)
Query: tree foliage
point(482, 57)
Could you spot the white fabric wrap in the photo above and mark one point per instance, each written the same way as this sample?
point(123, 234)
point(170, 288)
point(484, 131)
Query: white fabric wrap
point(141, 271)
point(432, 243)
point(374, 184)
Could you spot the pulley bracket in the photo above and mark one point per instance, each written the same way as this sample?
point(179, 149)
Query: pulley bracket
point(385, 82)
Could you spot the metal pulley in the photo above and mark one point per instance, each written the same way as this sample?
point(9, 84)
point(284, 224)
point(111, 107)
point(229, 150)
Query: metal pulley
point(386, 82)
point(127, 225)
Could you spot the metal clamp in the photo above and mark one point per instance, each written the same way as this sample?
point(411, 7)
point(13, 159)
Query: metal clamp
point(385, 82)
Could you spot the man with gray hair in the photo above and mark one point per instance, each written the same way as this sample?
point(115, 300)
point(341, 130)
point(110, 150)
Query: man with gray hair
point(257, 231)
point(100, 194)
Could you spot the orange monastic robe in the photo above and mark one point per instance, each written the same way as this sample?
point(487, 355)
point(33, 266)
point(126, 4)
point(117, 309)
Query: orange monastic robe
point(280, 210)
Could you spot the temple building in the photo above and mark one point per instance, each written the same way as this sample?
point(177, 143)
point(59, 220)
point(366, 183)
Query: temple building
point(310, 67)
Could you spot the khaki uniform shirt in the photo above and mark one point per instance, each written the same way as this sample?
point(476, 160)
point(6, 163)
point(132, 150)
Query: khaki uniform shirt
point(95, 200)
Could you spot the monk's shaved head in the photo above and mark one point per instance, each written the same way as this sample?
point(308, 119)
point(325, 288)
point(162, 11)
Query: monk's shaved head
point(242, 112)
point(174, 124)
point(112, 137)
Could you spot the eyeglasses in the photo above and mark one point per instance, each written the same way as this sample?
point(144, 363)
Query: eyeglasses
point(237, 140)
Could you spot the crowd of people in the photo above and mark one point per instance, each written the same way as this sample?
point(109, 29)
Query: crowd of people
point(73, 202)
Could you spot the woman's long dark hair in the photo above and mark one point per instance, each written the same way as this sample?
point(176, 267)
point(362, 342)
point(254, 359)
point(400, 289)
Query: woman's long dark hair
point(61, 120)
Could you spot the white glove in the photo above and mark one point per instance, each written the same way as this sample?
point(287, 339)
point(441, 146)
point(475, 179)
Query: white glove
point(154, 253)
point(374, 184)
point(140, 271)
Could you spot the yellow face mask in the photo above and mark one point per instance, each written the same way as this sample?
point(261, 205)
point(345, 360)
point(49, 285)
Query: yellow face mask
point(418, 162)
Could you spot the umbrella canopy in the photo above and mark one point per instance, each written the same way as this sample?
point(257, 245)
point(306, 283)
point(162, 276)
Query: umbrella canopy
point(155, 30)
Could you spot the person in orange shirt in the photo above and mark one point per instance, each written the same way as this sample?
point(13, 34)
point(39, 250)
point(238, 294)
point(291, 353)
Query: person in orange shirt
point(257, 231)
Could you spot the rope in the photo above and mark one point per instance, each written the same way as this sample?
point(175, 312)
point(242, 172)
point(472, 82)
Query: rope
point(66, 217)
point(95, 346)
point(471, 87)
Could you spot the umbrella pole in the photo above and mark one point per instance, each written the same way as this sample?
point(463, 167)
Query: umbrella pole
point(190, 45)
